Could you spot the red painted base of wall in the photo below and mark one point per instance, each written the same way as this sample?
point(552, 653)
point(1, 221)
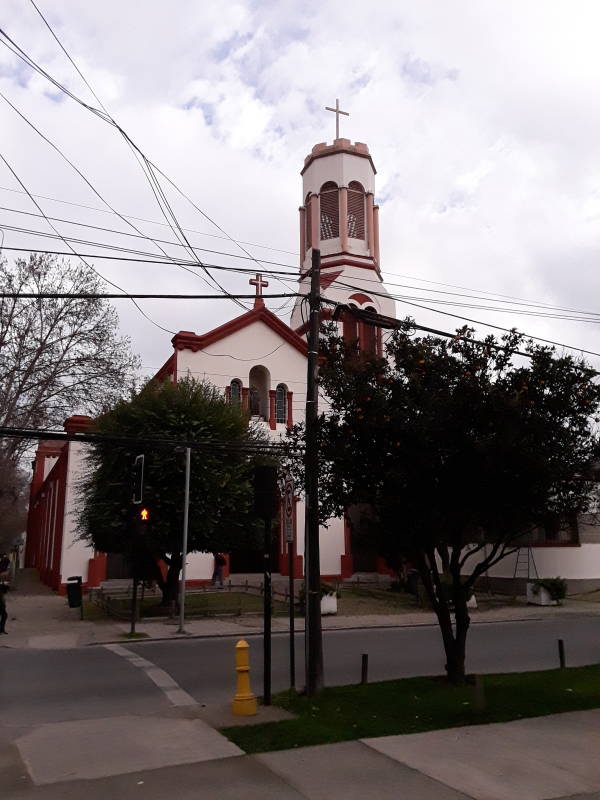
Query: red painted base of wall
point(382, 567)
point(97, 569)
point(347, 565)
point(297, 565)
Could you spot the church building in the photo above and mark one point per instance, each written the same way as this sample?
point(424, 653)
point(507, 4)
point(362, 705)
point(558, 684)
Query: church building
point(256, 359)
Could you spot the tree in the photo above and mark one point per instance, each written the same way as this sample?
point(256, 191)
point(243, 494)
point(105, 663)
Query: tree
point(57, 356)
point(221, 497)
point(459, 448)
point(13, 503)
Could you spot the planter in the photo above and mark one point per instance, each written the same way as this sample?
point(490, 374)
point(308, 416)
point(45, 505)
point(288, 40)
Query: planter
point(539, 596)
point(329, 604)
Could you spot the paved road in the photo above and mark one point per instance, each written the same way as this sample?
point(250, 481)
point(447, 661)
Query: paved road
point(56, 685)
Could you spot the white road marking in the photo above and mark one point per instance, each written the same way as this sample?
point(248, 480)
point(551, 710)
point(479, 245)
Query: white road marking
point(174, 693)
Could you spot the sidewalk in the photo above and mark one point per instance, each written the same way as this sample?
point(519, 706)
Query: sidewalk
point(39, 618)
point(533, 759)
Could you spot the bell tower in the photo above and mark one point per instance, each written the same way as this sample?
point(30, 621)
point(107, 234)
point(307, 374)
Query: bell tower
point(340, 217)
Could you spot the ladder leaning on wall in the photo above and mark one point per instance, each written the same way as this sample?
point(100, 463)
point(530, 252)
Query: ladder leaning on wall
point(524, 566)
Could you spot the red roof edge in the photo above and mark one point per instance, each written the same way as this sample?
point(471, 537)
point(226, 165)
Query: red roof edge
point(187, 340)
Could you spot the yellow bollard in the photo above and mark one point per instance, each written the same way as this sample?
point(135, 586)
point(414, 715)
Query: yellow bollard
point(244, 703)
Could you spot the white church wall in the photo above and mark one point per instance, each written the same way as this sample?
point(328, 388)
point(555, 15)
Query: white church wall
point(75, 554)
point(332, 546)
point(572, 563)
point(199, 566)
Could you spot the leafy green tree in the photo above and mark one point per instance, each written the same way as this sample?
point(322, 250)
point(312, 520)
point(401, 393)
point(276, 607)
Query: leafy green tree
point(459, 449)
point(221, 497)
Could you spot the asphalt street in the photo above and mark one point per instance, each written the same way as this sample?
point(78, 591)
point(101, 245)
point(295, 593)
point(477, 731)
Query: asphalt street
point(38, 686)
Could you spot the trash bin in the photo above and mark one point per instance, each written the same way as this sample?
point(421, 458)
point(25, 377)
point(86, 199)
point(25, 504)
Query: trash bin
point(412, 582)
point(74, 591)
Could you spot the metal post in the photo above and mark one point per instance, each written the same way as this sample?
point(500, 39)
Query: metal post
point(267, 616)
point(133, 606)
point(292, 620)
point(364, 668)
point(312, 569)
point(186, 508)
point(561, 653)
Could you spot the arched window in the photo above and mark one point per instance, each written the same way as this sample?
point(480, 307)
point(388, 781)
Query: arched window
point(356, 210)
point(254, 401)
point(281, 403)
point(308, 222)
point(330, 211)
point(260, 384)
point(235, 391)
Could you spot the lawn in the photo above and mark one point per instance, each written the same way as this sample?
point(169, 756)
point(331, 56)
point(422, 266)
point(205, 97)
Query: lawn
point(200, 604)
point(413, 705)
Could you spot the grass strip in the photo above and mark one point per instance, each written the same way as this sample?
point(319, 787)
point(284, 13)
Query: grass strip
point(413, 705)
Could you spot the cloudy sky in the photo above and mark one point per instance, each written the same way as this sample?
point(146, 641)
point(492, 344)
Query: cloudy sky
point(482, 117)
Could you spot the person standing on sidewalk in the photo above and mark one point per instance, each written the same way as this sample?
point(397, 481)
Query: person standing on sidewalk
point(3, 611)
point(220, 561)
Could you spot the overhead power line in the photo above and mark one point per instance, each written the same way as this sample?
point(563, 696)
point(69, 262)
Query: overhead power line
point(129, 296)
point(151, 222)
point(148, 167)
point(150, 441)
point(73, 252)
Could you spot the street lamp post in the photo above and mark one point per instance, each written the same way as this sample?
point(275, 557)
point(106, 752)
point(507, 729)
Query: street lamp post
point(186, 508)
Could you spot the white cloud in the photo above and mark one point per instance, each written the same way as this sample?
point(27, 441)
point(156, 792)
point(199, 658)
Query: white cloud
point(482, 119)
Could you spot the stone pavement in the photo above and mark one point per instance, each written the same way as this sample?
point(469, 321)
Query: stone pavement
point(535, 759)
point(39, 618)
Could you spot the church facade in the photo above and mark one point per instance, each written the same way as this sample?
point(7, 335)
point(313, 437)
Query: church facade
point(256, 359)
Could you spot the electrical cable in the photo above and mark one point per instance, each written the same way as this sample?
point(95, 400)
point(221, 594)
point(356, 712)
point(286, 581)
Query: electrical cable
point(87, 264)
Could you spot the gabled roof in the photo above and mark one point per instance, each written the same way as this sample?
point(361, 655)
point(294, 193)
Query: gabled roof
point(187, 340)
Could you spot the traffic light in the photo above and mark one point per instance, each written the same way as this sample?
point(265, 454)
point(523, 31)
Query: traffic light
point(144, 515)
point(266, 492)
point(138, 480)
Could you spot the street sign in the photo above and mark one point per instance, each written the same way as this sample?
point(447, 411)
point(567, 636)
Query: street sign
point(288, 509)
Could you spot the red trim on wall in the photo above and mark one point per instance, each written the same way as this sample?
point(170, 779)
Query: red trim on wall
point(167, 370)
point(78, 423)
point(272, 419)
point(327, 278)
point(290, 409)
point(45, 522)
point(245, 399)
point(381, 567)
point(187, 340)
point(326, 313)
point(346, 559)
point(97, 569)
point(322, 150)
point(360, 298)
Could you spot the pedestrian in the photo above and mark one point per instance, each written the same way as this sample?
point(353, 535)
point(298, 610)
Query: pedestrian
point(220, 561)
point(4, 563)
point(3, 612)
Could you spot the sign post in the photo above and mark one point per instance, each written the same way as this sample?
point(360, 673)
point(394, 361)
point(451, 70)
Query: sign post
point(288, 522)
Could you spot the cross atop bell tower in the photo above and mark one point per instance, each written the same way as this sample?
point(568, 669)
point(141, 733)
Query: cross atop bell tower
point(337, 111)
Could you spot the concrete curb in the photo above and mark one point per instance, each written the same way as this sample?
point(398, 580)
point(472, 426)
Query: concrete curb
point(244, 634)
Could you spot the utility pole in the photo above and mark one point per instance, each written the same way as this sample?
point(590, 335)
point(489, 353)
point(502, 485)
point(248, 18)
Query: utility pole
point(312, 566)
point(186, 509)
